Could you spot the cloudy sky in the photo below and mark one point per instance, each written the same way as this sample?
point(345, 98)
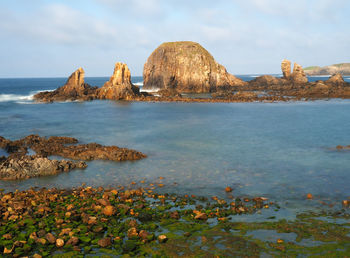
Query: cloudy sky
point(41, 38)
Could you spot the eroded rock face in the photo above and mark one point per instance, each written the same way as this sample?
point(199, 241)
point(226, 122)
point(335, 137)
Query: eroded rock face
point(298, 75)
point(187, 67)
point(74, 89)
point(286, 69)
point(119, 85)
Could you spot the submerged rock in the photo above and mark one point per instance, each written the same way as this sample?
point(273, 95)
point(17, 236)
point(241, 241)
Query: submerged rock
point(119, 85)
point(187, 67)
point(57, 146)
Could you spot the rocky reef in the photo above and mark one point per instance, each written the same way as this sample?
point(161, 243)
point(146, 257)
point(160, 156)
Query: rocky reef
point(118, 87)
point(295, 85)
point(175, 68)
point(187, 67)
point(19, 165)
point(24, 167)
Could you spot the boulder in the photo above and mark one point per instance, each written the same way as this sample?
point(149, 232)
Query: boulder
point(336, 79)
point(119, 85)
point(265, 81)
point(187, 67)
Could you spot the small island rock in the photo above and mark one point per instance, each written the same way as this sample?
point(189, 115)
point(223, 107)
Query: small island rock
point(187, 67)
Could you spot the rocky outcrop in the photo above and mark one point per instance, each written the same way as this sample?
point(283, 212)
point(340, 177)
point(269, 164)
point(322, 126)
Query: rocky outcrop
point(298, 76)
point(74, 89)
point(336, 79)
point(265, 81)
point(343, 69)
point(66, 147)
point(20, 165)
point(286, 68)
point(187, 67)
point(119, 85)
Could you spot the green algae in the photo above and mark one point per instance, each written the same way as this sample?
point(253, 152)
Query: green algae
point(23, 231)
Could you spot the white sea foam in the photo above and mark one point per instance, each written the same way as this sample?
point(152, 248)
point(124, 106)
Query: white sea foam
point(21, 99)
point(138, 83)
point(15, 97)
point(149, 90)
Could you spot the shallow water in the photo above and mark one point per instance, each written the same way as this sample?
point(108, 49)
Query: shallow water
point(278, 150)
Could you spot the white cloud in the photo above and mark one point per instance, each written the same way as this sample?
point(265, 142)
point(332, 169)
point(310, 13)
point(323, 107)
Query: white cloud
point(243, 35)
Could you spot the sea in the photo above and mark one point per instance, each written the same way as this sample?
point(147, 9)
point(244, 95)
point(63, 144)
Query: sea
point(280, 151)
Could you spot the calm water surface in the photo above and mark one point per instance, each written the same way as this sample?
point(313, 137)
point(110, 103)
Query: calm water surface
point(278, 150)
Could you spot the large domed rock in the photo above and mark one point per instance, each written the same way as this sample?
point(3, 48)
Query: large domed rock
point(119, 85)
point(187, 67)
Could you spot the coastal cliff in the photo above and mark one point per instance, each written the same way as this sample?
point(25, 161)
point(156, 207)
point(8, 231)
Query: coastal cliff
point(343, 69)
point(187, 67)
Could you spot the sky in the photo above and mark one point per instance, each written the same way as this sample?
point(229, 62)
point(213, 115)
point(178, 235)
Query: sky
point(42, 38)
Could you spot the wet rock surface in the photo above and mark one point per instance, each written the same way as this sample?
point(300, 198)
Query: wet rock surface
point(24, 167)
point(19, 165)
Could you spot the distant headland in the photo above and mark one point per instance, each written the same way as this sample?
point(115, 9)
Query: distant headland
point(343, 69)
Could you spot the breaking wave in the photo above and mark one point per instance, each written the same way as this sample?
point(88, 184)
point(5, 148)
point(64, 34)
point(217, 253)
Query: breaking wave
point(21, 99)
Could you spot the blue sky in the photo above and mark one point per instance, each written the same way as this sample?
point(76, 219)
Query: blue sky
point(52, 38)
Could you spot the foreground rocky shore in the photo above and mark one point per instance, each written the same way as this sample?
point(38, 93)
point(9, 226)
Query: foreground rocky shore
point(175, 68)
point(140, 222)
point(19, 165)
